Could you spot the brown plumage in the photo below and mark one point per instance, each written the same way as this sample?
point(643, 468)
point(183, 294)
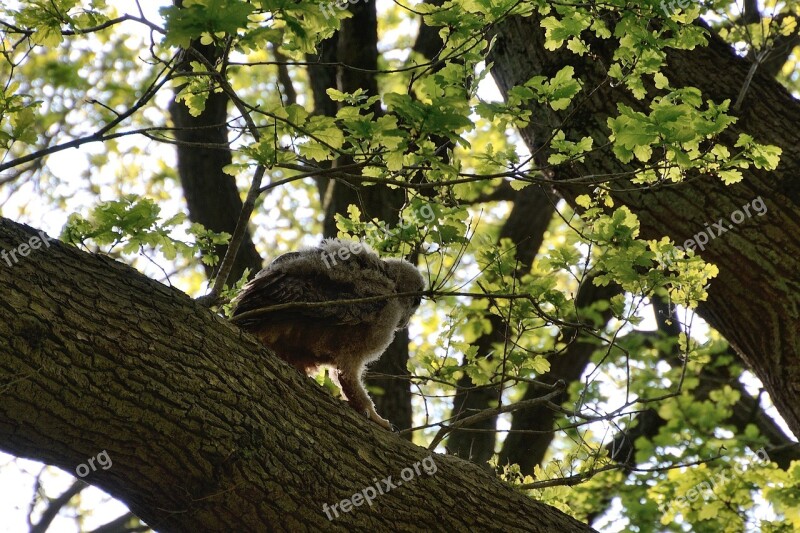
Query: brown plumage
point(345, 336)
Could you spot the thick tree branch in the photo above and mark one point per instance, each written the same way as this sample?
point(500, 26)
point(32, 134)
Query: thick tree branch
point(205, 428)
point(755, 300)
point(526, 224)
point(532, 430)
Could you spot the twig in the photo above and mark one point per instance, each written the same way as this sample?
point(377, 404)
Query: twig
point(491, 413)
point(584, 476)
point(252, 194)
point(326, 303)
point(759, 58)
point(100, 134)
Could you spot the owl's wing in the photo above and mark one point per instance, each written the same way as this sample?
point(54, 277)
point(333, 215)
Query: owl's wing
point(290, 280)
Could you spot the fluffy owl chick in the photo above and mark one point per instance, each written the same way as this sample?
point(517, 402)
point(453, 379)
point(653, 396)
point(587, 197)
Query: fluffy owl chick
point(345, 336)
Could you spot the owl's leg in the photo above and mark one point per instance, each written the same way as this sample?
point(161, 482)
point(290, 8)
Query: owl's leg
point(305, 368)
point(304, 365)
point(350, 380)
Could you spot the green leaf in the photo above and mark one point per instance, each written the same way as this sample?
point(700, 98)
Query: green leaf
point(729, 177)
point(204, 17)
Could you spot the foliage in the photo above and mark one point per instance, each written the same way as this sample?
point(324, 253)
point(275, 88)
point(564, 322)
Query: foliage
point(135, 224)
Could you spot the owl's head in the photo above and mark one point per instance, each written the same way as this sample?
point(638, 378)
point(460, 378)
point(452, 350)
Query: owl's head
point(407, 279)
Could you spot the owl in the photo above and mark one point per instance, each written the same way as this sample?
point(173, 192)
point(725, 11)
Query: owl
point(345, 336)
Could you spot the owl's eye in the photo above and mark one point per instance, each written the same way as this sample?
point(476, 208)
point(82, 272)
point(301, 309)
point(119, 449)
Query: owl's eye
point(417, 301)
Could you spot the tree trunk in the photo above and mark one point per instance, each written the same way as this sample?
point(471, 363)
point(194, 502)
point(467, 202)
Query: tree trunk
point(755, 300)
point(204, 429)
point(212, 197)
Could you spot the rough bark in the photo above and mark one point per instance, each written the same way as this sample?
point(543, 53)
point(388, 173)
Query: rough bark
point(205, 429)
point(755, 300)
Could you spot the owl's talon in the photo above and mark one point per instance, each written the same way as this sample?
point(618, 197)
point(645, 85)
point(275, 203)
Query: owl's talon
point(372, 415)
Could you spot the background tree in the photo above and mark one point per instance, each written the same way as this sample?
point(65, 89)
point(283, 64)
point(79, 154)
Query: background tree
point(558, 347)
